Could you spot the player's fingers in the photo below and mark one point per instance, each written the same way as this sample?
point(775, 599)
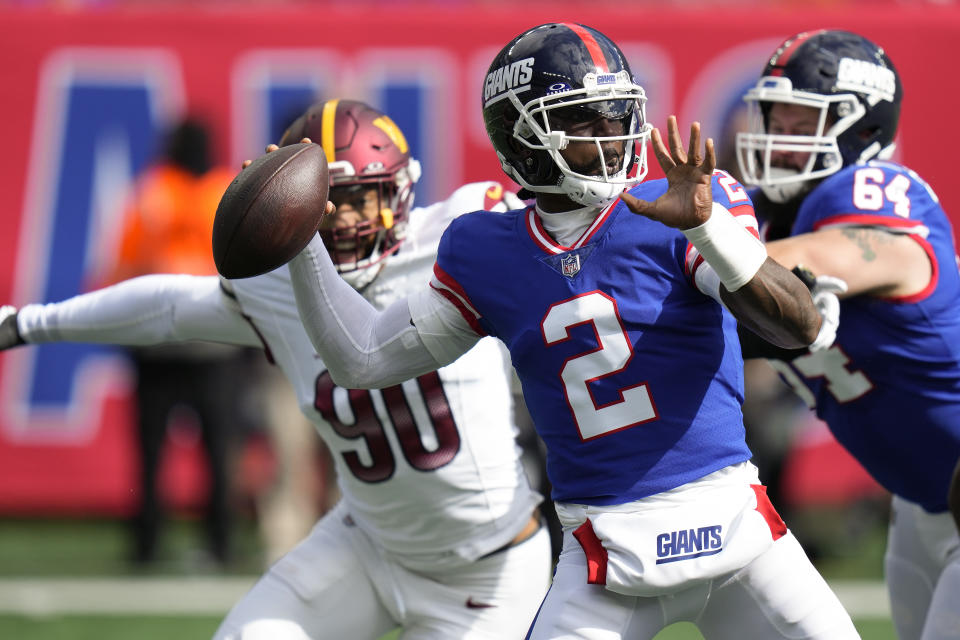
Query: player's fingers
point(711, 163)
point(271, 148)
point(676, 143)
point(831, 284)
point(246, 163)
point(694, 157)
point(827, 304)
point(660, 151)
point(635, 205)
point(330, 209)
point(307, 140)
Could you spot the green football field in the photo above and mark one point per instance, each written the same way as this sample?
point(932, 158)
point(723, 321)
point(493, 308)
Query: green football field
point(166, 627)
point(69, 580)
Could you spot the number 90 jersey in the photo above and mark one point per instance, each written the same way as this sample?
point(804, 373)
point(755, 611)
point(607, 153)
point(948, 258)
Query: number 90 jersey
point(889, 388)
point(633, 377)
point(430, 469)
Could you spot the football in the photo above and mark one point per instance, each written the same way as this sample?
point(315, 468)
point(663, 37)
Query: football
point(270, 211)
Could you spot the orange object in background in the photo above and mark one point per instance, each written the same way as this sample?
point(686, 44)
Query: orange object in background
point(164, 235)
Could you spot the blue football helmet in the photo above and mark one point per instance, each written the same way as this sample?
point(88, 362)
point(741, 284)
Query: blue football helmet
point(857, 92)
point(545, 80)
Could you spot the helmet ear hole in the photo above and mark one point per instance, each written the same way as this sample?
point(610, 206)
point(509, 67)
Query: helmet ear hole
point(513, 129)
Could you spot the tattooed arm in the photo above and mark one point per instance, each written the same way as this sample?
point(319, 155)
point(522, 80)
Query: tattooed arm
point(871, 260)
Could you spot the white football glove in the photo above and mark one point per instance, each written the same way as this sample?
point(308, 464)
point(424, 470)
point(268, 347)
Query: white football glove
point(9, 334)
point(824, 292)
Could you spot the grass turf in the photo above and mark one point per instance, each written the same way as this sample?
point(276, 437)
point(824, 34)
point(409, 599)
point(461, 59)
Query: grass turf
point(97, 547)
point(165, 627)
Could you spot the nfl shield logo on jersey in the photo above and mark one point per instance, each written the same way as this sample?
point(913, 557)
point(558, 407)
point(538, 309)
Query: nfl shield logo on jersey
point(570, 265)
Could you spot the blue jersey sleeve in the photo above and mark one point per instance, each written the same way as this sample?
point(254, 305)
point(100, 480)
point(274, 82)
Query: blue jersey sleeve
point(727, 191)
point(472, 249)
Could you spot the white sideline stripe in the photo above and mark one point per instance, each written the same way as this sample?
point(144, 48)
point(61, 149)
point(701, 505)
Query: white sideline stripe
point(160, 596)
point(863, 598)
point(215, 596)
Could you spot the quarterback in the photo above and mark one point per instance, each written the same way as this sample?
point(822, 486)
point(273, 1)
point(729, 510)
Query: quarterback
point(609, 293)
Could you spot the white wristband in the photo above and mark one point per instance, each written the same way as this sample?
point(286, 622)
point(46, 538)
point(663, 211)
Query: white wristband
point(728, 247)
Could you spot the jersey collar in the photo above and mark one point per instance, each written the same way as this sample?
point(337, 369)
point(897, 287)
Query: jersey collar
point(548, 245)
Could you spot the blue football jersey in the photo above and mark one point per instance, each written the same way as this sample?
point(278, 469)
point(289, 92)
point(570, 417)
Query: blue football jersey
point(889, 388)
point(633, 377)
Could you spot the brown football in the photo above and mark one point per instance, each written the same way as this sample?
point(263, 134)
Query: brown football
point(270, 211)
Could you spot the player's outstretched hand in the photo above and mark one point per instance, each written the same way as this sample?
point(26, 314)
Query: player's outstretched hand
point(330, 208)
point(9, 334)
point(689, 198)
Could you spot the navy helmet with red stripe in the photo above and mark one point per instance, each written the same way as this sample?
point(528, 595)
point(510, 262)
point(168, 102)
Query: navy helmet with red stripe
point(540, 86)
point(855, 87)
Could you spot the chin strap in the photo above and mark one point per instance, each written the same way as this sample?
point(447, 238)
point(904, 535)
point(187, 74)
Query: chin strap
point(592, 194)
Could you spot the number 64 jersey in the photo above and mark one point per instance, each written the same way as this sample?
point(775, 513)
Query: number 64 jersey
point(889, 388)
point(429, 468)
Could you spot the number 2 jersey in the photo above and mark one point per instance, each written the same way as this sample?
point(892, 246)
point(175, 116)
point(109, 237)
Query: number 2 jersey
point(633, 377)
point(889, 388)
point(430, 468)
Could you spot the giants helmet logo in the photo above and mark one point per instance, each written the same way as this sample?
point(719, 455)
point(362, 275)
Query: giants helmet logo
point(511, 76)
point(878, 82)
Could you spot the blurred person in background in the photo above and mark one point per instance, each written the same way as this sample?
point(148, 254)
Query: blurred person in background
point(825, 113)
point(167, 229)
point(438, 529)
point(302, 486)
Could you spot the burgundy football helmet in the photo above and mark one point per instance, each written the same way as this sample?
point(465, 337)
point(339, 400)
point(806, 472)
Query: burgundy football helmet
point(364, 148)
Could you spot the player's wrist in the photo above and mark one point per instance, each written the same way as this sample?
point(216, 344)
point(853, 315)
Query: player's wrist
point(728, 248)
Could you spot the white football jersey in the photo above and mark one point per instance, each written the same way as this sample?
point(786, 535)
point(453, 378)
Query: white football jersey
point(429, 468)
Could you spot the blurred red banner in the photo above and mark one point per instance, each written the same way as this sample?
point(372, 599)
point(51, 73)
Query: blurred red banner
point(85, 96)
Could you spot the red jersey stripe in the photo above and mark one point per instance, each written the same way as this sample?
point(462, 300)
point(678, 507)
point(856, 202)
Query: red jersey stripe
point(777, 526)
point(444, 281)
point(547, 244)
point(860, 219)
point(464, 311)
